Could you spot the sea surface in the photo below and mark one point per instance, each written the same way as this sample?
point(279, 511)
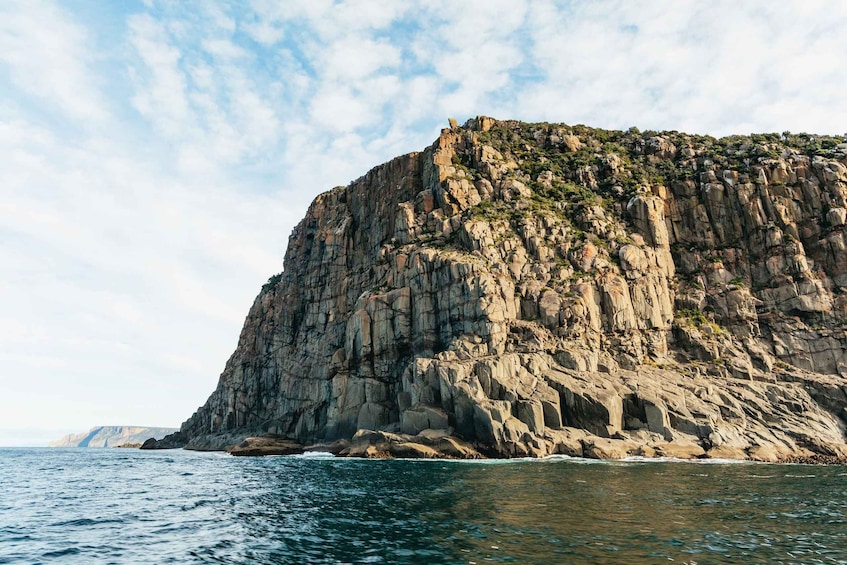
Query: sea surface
point(131, 506)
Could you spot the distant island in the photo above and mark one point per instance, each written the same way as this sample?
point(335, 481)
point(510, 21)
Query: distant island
point(112, 436)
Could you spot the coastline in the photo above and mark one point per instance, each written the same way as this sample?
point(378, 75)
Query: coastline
point(441, 445)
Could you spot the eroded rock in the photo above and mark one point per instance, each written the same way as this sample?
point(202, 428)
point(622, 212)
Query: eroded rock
point(535, 289)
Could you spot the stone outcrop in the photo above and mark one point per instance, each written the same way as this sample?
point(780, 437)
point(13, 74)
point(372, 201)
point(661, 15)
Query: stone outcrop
point(533, 289)
point(429, 444)
point(256, 446)
point(177, 440)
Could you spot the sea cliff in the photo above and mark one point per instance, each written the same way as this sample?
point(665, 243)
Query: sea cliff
point(531, 289)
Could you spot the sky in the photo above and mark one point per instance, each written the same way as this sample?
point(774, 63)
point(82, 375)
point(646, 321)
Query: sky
point(155, 155)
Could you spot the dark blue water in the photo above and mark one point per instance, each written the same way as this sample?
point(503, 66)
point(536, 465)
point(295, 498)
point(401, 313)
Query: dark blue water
point(130, 506)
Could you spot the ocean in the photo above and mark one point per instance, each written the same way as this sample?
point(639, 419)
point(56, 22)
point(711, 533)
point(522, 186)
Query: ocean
point(131, 506)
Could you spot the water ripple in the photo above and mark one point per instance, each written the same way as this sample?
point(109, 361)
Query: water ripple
point(128, 506)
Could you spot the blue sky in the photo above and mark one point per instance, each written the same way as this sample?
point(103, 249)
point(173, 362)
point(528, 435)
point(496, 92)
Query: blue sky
point(154, 156)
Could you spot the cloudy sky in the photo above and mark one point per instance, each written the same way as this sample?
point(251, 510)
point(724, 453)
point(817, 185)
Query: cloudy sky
point(155, 155)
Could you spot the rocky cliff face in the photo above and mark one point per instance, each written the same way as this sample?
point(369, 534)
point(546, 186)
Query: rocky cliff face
point(543, 288)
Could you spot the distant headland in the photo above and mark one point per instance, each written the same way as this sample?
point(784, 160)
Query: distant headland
point(112, 436)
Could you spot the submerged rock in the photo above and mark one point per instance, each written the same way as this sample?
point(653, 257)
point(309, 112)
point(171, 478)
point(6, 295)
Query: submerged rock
point(550, 289)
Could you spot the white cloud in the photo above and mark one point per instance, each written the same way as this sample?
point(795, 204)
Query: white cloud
point(161, 95)
point(354, 57)
point(224, 49)
point(48, 55)
point(338, 109)
point(330, 19)
point(264, 32)
point(706, 68)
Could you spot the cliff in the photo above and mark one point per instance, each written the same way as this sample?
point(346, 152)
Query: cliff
point(111, 436)
point(544, 288)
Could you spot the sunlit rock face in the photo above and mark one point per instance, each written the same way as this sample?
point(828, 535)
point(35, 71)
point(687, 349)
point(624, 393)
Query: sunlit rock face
point(544, 288)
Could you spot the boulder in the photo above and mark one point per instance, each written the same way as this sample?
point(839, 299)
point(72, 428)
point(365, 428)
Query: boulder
point(607, 448)
point(679, 450)
point(258, 446)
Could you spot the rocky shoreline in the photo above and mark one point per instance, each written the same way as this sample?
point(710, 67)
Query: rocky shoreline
point(440, 444)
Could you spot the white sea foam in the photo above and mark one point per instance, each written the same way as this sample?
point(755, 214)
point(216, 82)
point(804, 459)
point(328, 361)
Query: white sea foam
point(314, 455)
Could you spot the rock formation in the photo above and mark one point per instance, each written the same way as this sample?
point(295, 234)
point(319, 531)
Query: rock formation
point(542, 288)
point(112, 436)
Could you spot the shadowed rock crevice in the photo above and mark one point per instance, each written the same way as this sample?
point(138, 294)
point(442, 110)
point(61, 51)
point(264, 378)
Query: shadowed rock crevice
point(544, 288)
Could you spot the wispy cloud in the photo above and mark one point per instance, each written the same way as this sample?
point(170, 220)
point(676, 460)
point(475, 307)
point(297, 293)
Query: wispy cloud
point(709, 68)
point(49, 57)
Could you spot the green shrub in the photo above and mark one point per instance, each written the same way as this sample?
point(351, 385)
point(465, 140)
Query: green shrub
point(272, 283)
point(693, 317)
